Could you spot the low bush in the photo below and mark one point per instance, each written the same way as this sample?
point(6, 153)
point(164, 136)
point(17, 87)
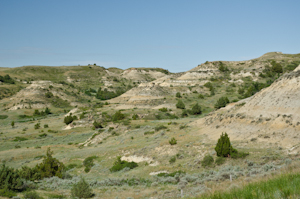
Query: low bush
point(118, 116)
point(43, 135)
point(164, 109)
point(173, 141)
point(81, 190)
point(121, 164)
point(178, 95)
point(37, 126)
point(97, 125)
point(208, 160)
point(219, 160)
point(200, 96)
point(2, 117)
point(158, 128)
point(19, 139)
point(172, 160)
point(7, 193)
point(32, 195)
point(222, 102)
point(149, 133)
point(180, 104)
point(69, 119)
point(89, 163)
point(135, 117)
point(196, 109)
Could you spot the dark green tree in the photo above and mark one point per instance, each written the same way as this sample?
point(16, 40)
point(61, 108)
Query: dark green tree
point(184, 113)
point(223, 147)
point(180, 105)
point(178, 95)
point(118, 116)
point(222, 102)
point(196, 110)
point(50, 166)
point(276, 67)
point(10, 179)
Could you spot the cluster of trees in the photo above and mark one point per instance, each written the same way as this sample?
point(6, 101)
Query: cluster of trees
point(42, 113)
point(14, 180)
point(222, 67)
point(209, 85)
point(105, 94)
point(69, 119)
point(195, 110)
point(6, 79)
point(121, 164)
point(222, 102)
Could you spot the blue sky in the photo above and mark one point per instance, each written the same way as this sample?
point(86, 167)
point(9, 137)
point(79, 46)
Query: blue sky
point(171, 34)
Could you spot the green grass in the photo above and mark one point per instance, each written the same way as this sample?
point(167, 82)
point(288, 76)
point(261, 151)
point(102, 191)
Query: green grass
point(2, 117)
point(285, 186)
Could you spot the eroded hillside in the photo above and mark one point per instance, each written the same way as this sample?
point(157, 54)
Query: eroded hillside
point(94, 118)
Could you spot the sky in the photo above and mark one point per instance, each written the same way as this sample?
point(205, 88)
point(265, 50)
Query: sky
point(173, 34)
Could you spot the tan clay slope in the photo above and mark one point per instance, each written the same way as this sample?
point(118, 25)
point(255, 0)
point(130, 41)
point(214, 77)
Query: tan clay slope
point(271, 116)
point(282, 97)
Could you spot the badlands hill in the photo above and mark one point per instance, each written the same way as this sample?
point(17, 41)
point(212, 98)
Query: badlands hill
point(132, 114)
point(270, 116)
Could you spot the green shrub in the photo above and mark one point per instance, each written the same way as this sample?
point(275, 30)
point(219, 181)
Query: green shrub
point(208, 160)
point(6, 79)
point(7, 193)
point(223, 147)
point(118, 116)
point(12, 124)
point(89, 163)
point(97, 125)
point(71, 166)
point(172, 160)
point(173, 141)
point(200, 96)
point(121, 164)
point(180, 104)
point(46, 126)
point(2, 117)
point(158, 128)
point(48, 94)
point(135, 117)
point(164, 109)
point(276, 67)
point(43, 135)
point(81, 190)
point(178, 95)
point(222, 102)
point(149, 133)
point(42, 113)
point(10, 180)
point(184, 113)
point(37, 126)
point(223, 68)
point(220, 160)
point(69, 119)
point(32, 195)
point(196, 110)
point(19, 139)
point(49, 167)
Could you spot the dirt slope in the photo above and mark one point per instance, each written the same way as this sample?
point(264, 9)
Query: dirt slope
point(271, 116)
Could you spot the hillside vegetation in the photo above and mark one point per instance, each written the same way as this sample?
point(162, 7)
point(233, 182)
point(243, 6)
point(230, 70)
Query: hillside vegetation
point(147, 132)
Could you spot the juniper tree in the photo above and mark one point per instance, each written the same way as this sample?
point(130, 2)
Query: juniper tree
point(223, 147)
